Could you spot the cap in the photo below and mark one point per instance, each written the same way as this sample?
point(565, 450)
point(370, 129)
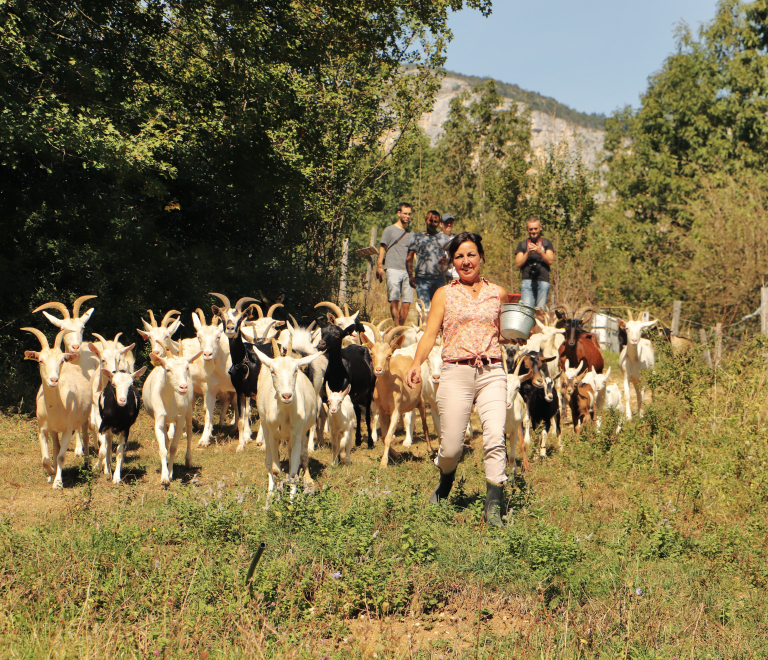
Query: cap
point(446, 217)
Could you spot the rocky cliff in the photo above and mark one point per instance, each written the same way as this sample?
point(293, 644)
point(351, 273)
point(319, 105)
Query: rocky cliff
point(547, 128)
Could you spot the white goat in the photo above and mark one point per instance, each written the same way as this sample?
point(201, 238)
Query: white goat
point(431, 369)
point(63, 401)
point(159, 336)
point(210, 377)
point(73, 327)
point(636, 357)
point(341, 424)
point(287, 406)
point(517, 413)
point(168, 398)
point(606, 396)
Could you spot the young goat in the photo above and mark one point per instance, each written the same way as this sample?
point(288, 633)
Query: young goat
point(114, 411)
point(168, 397)
point(582, 403)
point(63, 402)
point(341, 424)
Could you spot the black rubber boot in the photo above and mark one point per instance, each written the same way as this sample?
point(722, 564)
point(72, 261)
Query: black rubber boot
point(443, 488)
point(493, 496)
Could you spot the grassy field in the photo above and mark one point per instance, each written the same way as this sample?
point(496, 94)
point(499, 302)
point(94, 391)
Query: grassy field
point(646, 544)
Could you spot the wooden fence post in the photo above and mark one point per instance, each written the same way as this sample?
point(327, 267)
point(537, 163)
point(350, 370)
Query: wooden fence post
point(764, 310)
point(676, 309)
point(706, 355)
point(718, 343)
point(343, 280)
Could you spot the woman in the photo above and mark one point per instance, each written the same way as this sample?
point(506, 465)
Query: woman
point(468, 312)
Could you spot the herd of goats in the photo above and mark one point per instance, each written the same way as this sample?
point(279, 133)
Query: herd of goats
point(306, 382)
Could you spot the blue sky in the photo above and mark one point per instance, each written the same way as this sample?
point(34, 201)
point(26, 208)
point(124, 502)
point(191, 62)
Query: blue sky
point(593, 56)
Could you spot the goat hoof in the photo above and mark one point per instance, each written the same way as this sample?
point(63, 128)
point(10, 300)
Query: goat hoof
point(116, 480)
point(408, 443)
point(58, 484)
point(202, 444)
point(370, 445)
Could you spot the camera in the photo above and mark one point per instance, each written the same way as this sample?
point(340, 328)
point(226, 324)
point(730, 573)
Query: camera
point(534, 269)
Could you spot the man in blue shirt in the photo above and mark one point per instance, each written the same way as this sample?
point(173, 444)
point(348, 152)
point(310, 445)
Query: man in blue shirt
point(429, 246)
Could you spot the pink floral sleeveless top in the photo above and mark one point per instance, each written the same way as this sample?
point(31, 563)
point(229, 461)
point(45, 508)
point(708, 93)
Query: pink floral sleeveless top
point(471, 327)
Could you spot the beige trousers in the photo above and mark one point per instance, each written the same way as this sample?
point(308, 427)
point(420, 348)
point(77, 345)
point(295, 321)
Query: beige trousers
point(461, 386)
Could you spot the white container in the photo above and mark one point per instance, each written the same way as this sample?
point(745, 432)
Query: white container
point(606, 329)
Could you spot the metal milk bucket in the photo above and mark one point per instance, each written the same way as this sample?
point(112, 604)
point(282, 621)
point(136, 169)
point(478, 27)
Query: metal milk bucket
point(517, 320)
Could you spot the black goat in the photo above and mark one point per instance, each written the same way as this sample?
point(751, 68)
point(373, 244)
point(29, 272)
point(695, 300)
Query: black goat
point(119, 404)
point(244, 372)
point(539, 393)
point(351, 365)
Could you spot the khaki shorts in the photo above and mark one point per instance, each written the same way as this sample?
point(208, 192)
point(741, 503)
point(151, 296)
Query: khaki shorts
point(398, 286)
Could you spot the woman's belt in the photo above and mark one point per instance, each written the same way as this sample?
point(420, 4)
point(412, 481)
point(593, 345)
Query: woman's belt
point(473, 361)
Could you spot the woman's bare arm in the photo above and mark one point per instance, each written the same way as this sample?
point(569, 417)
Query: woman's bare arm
point(427, 342)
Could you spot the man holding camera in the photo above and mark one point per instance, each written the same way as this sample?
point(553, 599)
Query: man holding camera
point(534, 257)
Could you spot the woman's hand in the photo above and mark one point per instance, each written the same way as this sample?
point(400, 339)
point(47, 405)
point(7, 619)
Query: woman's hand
point(413, 376)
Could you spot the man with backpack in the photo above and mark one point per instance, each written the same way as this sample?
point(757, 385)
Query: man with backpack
point(393, 252)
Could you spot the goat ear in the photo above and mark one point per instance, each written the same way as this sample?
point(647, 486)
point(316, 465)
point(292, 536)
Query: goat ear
point(622, 324)
point(84, 318)
point(68, 357)
point(31, 355)
point(144, 335)
point(607, 373)
point(527, 376)
point(366, 341)
point(195, 321)
point(94, 348)
point(398, 342)
point(346, 390)
point(156, 360)
point(107, 373)
point(53, 319)
point(139, 373)
point(127, 348)
point(331, 318)
point(194, 357)
point(549, 359)
point(350, 329)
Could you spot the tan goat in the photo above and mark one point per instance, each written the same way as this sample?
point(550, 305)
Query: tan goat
point(63, 401)
point(392, 395)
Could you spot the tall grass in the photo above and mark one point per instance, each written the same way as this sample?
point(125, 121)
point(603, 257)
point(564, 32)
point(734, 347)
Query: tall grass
point(648, 543)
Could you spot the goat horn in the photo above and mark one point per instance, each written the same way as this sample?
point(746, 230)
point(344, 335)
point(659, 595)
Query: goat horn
point(201, 316)
point(394, 333)
point(54, 305)
point(166, 319)
point(239, 304)
point(293, 320)
point(289, 348)
point(117, 336)
point(221, 297)
point(517, 367)
point(275, 348)
point(376, 332)
point(381, 323)
point(273, 308)
point(77, 303)
point(43, 339)
point(629, 314)
point(346, 310)
point(332, 306)
point(101, 339)
point(59, 336)
point(582, 311)
point(152, 318)
point(311, 325)
point(266, 330)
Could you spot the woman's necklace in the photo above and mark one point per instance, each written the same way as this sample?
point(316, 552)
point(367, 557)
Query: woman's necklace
point(474, 286)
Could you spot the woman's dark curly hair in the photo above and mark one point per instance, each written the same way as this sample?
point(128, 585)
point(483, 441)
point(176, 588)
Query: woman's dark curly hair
point(463, 237)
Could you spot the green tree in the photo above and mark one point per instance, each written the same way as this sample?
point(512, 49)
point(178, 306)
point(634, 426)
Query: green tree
point(153, 150)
